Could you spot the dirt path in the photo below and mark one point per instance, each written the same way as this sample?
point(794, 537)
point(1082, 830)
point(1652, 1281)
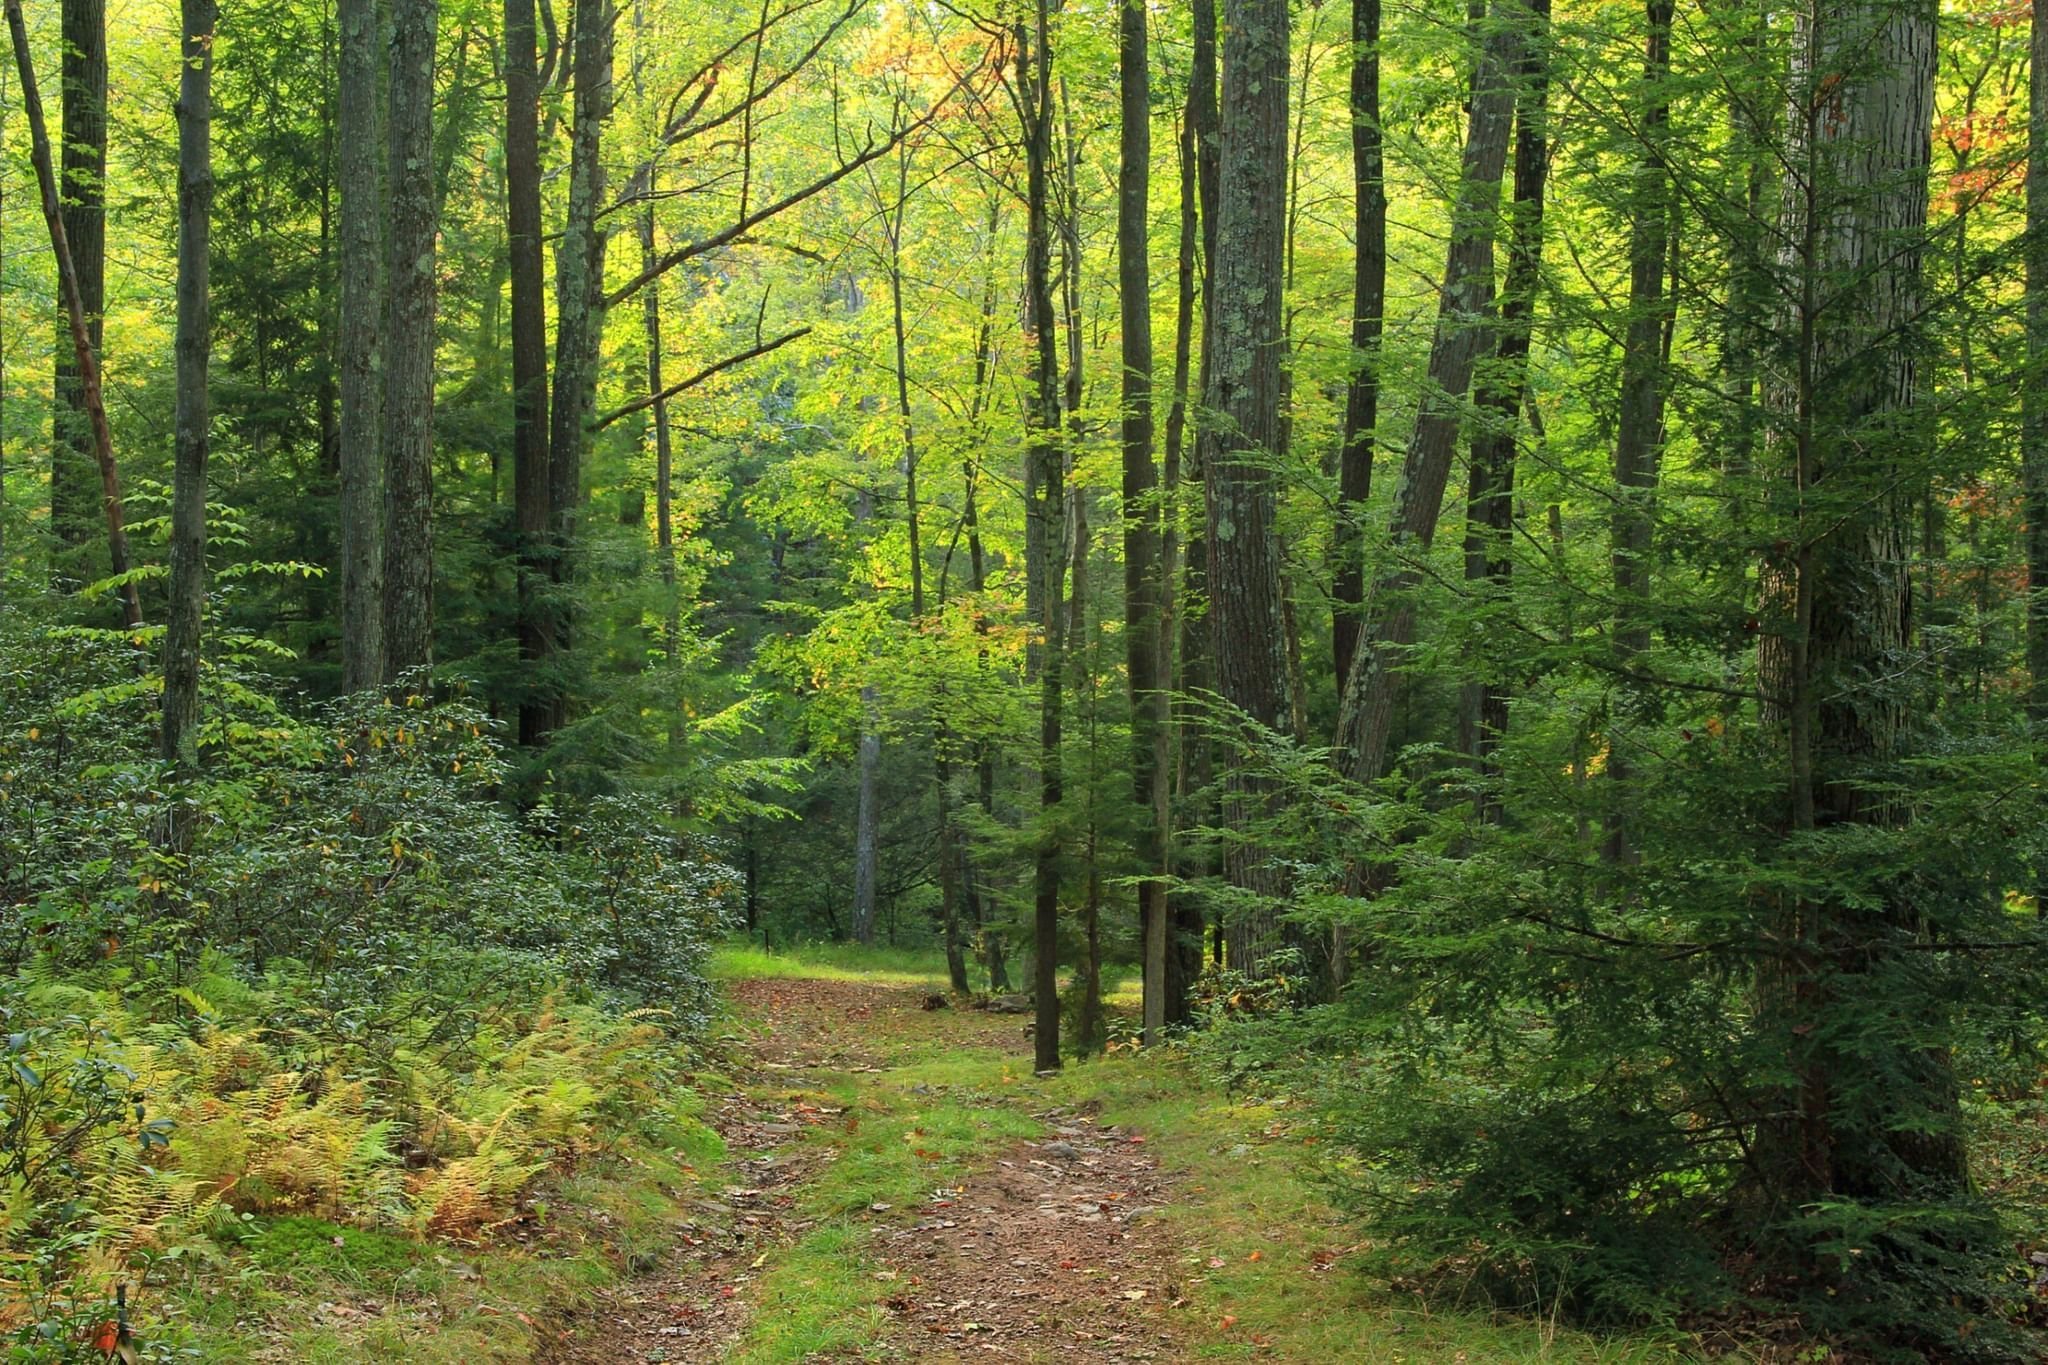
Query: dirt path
point(1031, 1248)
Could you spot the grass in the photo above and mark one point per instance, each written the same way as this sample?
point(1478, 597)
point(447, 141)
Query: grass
point(1266, 1260)
point(879, 966)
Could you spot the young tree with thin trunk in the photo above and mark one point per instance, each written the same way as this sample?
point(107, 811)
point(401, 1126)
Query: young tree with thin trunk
point(2034, 391)
point(82, 349)
point(408, 424)
point(359, 135)
point(182, 623)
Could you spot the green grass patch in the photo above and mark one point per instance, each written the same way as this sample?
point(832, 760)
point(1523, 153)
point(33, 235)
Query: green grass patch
point(879, 966)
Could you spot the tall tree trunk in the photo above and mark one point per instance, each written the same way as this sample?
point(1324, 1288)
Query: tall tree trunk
point(83, 159)
point(1368, 312)
point(2033, 398)
point(579, 283)
point(1237, 443)
point(1489, 534)
point(1144, 621)
point(1372, 681)
point(84, 352)
point(357, 344)
point(1046, 517)
point(194, 336)
point(1851, 424)
point(409, 355)
point(867, 822)
point(1195, 754)
point(1639, 429)
point(532, 510)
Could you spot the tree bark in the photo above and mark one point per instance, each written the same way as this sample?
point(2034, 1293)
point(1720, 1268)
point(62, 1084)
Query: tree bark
point(1851, 423)
point(358, 344)
point(579, 276)
point(1372, 681)
point(1144, 622)
point(1639, 429)
point(83, 351)
point(532, 510)
point(1239, 438)
point(2033, 398)
point(182, 624)
point(408, 424)
point(83, 171)
point(1368, 310)
point(1045, 517)
point(1489, 533)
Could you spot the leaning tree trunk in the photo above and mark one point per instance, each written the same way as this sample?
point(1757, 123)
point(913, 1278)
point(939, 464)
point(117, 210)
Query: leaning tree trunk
point(83, 166)
point(1489, 533)
point(357, 345)
point(194, 335)
point(1237, 444)
point(1850, 428)
point(83, 351)
point(1372, 680)
point(409, 357)
point(1639, 428)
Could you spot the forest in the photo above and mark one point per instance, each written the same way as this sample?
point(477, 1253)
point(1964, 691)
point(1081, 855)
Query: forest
point(1299, 679)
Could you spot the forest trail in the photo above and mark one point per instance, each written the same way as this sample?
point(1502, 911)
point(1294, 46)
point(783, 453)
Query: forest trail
point(1004, 1226)
point(898, 1185)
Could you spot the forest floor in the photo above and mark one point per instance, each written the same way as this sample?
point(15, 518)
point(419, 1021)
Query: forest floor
point(897, 1184)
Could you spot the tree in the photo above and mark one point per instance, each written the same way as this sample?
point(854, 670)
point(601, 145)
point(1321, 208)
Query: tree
point(1848, 415)
point(1372, 678)
point(83, 181)
point(357, 346)
point(409, 349)
point(533, 513)
point(84, 353)
point(194, 416)
point(1368, 306)
point(1240, 432)
point(1639, 430)
point(1144, 619)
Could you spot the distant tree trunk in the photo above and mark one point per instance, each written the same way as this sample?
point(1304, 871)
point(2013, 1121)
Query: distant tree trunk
point(2033, 401)
point(1639, 428)
point(1850, 421)
point(1489, 535)
point(1144, 620)
point(579, 289)
point(360, 134)
point(180, 735)
point(83, 156)
point(664, 453)
point(1368, 311)
point(83, 351)
point(409, 355)
point(1365, 713)
point(1236, 445)
point(1045, 516)
point(867, 823)
point(533, 512)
